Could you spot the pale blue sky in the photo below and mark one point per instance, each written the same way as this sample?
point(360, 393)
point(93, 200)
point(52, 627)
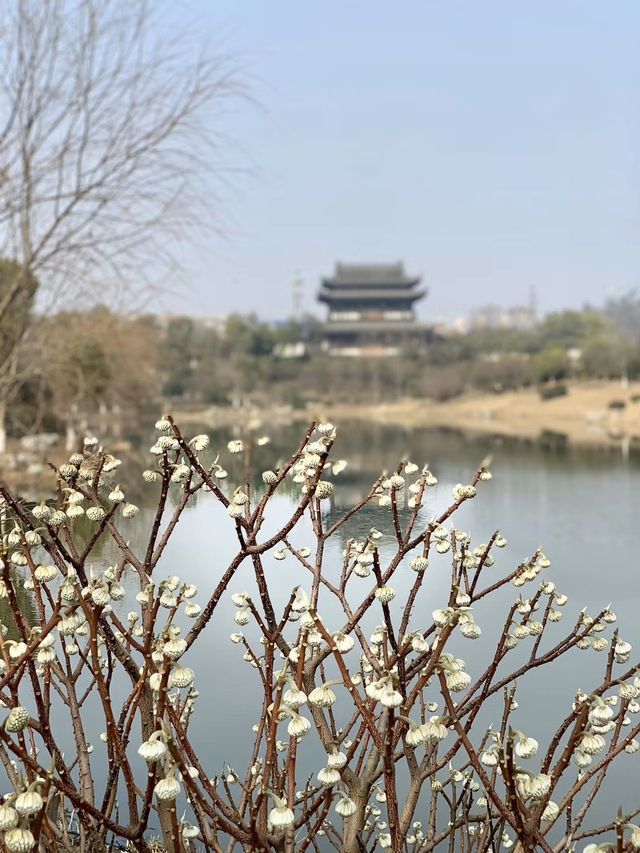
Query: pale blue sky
point(491, 145)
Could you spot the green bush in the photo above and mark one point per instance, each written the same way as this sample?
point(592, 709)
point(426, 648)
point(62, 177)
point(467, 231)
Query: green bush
point(548, 392)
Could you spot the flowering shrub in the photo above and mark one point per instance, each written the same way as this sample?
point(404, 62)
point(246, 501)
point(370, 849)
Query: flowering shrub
point(350, 668)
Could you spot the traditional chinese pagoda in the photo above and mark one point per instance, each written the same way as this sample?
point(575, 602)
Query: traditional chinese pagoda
point(371, 309)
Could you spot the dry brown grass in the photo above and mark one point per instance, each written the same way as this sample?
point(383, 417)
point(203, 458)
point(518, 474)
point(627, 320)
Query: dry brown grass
point(583, 415)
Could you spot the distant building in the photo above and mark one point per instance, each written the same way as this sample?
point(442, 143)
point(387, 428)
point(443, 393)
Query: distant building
point(520, 317)
point(212, 321)
point(290, 350)
point(371, 309)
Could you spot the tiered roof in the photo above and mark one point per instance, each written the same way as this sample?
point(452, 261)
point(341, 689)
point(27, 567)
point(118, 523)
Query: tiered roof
point(370, 282)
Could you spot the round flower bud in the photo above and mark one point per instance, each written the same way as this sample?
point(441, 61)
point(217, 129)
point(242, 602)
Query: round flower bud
point(328, 776)
point(419, 564)
point(153, 749)
point(525, 747)
point(322, 696)
point(470, 630)
point(95, 513)
point(324, 490)
point(622, 650)
point(19, 840)
point(385, 594)
point(336, 759)
point(345, 806)
point(41, 511)
point(551, 811)
point(457, 681)
point(343, 642)
point(181, 676)
point(174, 648)
point(17, 720)
point(390, 697)
point(189, 831)
point(100, 596)
point(281, 815)
point(298, 726)
point(167, 788)
point(592, 744)
point(117, 591)
point(47, 573)
point(199, 442)
point(67, 471)
point(8, 818)
point(294, 697)
point(28, 803)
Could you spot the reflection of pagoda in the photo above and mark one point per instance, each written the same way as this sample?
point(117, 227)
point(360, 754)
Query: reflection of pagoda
point(371, 309)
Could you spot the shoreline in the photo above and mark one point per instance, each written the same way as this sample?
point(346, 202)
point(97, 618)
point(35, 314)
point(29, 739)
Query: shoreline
point(583, 417)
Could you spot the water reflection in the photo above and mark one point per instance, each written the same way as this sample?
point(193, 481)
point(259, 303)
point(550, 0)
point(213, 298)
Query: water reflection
point(580, 505)
point(26, 604)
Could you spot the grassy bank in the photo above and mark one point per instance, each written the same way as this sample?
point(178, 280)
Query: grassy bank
point(591, 413)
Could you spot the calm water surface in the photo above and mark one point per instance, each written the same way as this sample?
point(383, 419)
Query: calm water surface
point(581, 507)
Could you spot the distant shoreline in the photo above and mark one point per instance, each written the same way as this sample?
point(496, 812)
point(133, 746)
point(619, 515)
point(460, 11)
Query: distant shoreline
point(583, 417)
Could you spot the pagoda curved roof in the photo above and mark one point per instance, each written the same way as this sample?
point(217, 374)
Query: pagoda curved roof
point(357, 275)
point(348, 293)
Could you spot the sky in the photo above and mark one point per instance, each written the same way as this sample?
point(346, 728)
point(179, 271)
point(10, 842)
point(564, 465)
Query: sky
point(491, 146)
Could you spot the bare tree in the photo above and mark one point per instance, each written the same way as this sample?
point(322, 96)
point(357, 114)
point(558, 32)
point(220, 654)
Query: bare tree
point(109, 153)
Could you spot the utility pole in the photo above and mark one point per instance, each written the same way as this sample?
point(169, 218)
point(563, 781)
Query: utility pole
point(533, 301)
point(297, 288)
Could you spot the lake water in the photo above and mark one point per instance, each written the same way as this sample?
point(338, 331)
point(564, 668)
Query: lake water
point(581, 507)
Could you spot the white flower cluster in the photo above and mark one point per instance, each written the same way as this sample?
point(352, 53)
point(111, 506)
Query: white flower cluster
point(313, 460)
point(393, 486)
point(361, 554)
point(17, 812)
point(456, 678)
point(170, 676)
point(530, 571)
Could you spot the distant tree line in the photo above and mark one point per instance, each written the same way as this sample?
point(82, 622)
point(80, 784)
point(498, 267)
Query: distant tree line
point(98, 366)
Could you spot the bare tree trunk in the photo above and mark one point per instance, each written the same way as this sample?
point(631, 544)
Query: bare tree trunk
point(3, 430)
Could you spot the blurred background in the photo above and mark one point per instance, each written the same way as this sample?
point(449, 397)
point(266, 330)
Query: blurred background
point(414, 213)
point(417, 219)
